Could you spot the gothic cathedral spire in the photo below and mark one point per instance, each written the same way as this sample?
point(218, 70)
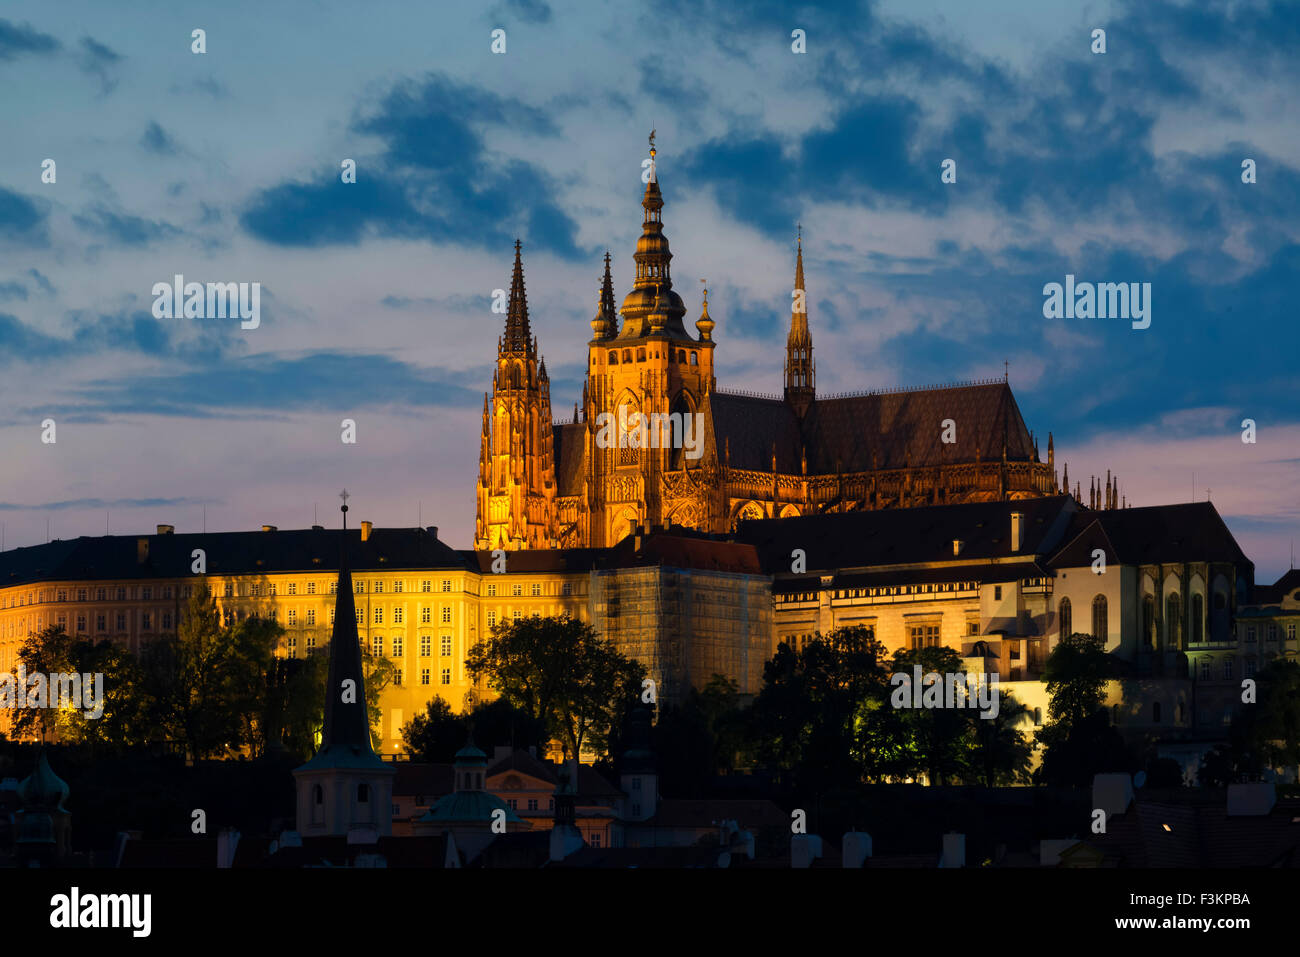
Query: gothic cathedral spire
point(800, 372)
point(516, 486)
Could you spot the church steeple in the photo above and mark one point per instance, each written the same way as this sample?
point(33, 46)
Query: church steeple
point(345, 736)
point(605, 325)
point(518, 337)
point(346, 785)
point(800, 371)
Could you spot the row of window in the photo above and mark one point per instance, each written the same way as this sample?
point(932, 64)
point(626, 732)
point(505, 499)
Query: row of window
point(674, 355)
point(1271, 632)
point(426, 646)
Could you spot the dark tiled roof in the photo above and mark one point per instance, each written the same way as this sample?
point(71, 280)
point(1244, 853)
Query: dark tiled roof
point(228, 553)
point(910, 535)
point(684, 549)
point(1192, 531)
point(590, 782)
point(414, 778)
point(750, 425)
point(1200, 836)
point(1274, 594)
point(537, 560)
point(898, 428)
point(1009, 572)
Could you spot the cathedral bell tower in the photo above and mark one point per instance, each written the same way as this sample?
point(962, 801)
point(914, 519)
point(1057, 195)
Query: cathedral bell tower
point(643, 375)
point(516, 480)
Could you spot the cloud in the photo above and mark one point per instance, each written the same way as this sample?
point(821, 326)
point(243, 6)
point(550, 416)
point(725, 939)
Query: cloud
point(17, 40)
point(206, 85)
point(22, 218)
point(157, 140)
point(529, 11)
point(123, 229)
point(99, 61)
point(41, 281)
point(12, 290)
point(271, 385)
point(100, 503)
point(435, 179)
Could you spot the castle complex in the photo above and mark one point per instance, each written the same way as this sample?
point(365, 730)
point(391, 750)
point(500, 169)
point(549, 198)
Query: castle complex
point(546, 485)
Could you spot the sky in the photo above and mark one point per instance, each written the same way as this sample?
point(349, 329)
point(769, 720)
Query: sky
point(224, 166)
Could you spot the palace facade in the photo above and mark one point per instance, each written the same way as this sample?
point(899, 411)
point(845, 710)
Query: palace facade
point(548, 485)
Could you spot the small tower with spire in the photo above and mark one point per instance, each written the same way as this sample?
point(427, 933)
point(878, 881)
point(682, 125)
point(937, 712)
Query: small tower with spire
point(800, 371)
point(346, 785)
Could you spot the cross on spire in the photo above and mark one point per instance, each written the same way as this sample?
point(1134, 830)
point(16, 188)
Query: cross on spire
point(345, 496)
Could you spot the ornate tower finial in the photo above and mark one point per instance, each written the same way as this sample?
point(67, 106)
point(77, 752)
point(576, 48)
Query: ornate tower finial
point(704, 324)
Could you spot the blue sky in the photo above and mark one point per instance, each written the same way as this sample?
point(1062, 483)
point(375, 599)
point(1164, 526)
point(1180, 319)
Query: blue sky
point(1124, 166)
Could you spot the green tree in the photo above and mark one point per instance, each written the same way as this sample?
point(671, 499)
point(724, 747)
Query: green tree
point(1001, 752)
point(1079, 739)
point(804, 717)
point(561, 671)
point(434, 734)
point(934, 741)
point(43, 653)
point(1076, 673)
point(203, 684)
point(1274, 728)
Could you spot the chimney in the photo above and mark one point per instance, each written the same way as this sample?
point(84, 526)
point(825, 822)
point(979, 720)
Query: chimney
point(1017, 530)
point(855, 849)
point(954, 850)
point(227, 842)
point(166, 529)
point(804, 849)
point(957, 546)
point(269, 528)
point(365, 531)
point(432, 530)
point(141, 550)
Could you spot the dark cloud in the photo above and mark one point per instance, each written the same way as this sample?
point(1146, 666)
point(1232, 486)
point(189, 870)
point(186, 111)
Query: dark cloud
point(16, 40)
point(434, 180)
point(529, 11)
point(22, 218)
point(157, 140)
point(12, 290)
point(123, 229)
point(100, 503)
point(321, 381)
point(99, 61)
point(41, 281)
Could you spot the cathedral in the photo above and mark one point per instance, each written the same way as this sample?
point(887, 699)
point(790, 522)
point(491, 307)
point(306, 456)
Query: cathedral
point(547, 485)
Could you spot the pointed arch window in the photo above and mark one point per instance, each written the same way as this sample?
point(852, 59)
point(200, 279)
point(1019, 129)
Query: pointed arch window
point(1065, 619)
point(1100, 625)
point(1173, 622)
point(1198, 619)
point(1149, 622)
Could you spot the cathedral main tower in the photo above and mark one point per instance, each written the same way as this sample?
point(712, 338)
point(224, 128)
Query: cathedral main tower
point(649, 366)
point(516, 476)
